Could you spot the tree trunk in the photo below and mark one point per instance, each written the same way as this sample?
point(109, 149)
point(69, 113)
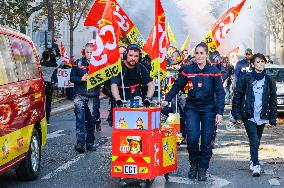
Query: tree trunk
point(71, 30)
point(281, 55)
point(50, 17)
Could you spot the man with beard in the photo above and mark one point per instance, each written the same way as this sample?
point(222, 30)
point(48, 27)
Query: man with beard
point(135, 75)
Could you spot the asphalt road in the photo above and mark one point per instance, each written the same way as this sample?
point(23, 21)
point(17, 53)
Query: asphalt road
point(62, 167)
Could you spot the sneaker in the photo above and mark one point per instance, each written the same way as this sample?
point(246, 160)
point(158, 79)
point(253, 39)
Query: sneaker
point(79, 148)
point(256, 171)
point(251, 166)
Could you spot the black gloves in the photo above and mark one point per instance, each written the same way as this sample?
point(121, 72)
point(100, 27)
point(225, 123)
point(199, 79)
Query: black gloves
point(147, 102)
point(119, 103)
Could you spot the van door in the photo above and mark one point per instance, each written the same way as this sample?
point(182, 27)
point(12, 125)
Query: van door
point(21, 97)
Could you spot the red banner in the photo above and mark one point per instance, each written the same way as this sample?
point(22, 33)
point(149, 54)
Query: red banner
point(221, 28)
point(64, 56)
point(157, 42)
point(95, 15)
point(233, 56)
point(105, 62)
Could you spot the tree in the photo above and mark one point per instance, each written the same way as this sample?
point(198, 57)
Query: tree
point(275, 22)
point(16, 13)
point(71, 10)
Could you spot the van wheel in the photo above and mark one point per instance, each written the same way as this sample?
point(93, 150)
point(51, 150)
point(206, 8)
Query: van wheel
point(30, 167)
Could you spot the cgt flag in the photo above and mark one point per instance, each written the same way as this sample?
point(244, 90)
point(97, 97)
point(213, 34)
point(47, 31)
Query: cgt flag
point(105, 62)
point(222, 27)
point(233, 56)
point(95, 15)
point(157, 43)
point(127, 32)
point(64, 55)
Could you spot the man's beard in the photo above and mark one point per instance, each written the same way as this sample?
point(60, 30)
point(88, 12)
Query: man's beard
point(130, 63)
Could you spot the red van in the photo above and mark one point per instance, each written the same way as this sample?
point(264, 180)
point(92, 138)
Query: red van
point(23, 127)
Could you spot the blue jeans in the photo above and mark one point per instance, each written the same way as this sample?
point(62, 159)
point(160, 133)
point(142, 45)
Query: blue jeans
point(200, 123)
point(86, 112)
point(228, 93)
point(254, 133)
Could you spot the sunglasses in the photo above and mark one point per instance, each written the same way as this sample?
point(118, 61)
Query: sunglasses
point(201, 53)
point(248, 54)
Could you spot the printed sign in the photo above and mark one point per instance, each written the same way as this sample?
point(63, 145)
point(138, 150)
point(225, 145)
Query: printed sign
point(63, 76)
point(130, 145)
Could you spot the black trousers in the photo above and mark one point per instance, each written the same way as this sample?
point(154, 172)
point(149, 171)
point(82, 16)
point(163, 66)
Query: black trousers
point(48, 94)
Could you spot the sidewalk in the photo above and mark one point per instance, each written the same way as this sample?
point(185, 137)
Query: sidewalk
point(63, 104)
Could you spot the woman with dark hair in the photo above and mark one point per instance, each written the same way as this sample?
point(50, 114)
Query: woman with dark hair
point(255, 104)
point(204, 106)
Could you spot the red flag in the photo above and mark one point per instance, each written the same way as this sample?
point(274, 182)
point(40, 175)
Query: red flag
point(222, 27)
point(157, 42)
point(64, 56)
point(95, 15)
point(233, 56)
point(105, 62)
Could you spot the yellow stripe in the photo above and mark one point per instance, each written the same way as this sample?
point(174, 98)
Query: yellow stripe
point(15, 144)
point(135, 37)
point(210, 41)
point(104, 74)
point(147, 159)
point(130, 160)
point(113, 158)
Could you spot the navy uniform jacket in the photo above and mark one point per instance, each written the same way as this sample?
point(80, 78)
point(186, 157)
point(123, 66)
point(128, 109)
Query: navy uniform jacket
point(78, 70)
point(206, 90)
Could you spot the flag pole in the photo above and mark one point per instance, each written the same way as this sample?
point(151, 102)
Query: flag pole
point(159, 83)
point(122, 82)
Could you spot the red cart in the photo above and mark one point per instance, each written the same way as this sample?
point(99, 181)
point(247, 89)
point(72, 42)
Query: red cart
point(140, 148)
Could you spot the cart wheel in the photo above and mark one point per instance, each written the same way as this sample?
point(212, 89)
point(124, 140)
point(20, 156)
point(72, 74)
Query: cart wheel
point(149, 182)
point(143, 183)
point(167, 176)
point(122, 182)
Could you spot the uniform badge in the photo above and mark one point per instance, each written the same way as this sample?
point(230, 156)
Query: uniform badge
point(190, 85)
point(199, 84)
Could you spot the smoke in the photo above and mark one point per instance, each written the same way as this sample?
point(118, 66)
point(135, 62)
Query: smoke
point(197, 17)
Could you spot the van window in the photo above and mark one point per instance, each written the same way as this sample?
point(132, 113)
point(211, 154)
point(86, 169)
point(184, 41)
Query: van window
point(23, 55)
point(7, 65)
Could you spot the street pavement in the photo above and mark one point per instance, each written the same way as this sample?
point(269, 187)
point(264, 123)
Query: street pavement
point(62, 167)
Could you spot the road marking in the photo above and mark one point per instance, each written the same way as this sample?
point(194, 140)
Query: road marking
point(55, 134)
point(274, 182)
point(217, 182)
point(63, 167)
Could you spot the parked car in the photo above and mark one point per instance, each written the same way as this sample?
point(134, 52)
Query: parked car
point(23, 128)
point(277, 73)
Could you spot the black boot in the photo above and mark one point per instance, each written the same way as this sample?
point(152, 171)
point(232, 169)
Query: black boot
point(80, 148)
point(202, 174)
point(193, 170)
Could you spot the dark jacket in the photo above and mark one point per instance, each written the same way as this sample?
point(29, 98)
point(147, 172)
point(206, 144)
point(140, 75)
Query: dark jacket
point(242, 67)
point(243, 101)
point(205, 92)
point(80, 68)
point(140, 86)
